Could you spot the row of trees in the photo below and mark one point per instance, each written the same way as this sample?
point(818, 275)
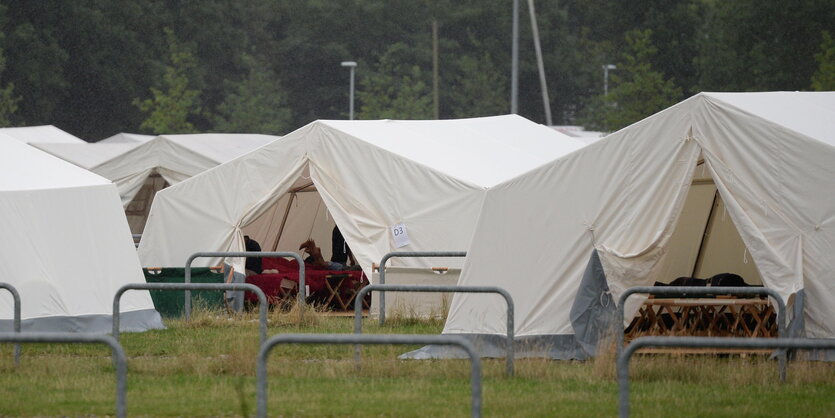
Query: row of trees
point(98, 67)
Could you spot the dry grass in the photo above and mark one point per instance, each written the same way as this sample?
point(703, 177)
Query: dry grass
point(206, 367)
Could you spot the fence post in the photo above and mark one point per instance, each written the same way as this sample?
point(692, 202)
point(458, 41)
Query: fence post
point(16, 297)
point(270, 254)
point(703, 342)
point(263, 307)
point(704, 291)
point(117, 353)
point(408, 254)
point(382, 288)
point(261, 363)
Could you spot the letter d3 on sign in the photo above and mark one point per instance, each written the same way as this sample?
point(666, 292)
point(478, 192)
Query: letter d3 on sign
point(400, 235)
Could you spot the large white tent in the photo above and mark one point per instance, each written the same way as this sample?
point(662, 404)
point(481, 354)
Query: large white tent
point(65, 246)
point(568, 238)
point(140, 169)
point(369, 177)
point(40, 134)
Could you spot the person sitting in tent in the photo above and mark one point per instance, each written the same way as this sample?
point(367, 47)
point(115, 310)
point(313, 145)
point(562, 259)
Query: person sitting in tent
point(340, 257)
point(253, 264)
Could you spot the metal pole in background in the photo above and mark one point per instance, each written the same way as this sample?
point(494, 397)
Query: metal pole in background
point(606, 69)
point(351, 65)
point(514, 61)
point(436, 99)
point(546, 102)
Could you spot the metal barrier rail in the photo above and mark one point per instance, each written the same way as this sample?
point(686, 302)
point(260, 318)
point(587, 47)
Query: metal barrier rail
point(262, 299)
point(417, 254)
point(261, 370)
point(269, 254)
point(447, 289)
point(118, 355)
point(704, 342)
point(704, 291)
point(16, 297)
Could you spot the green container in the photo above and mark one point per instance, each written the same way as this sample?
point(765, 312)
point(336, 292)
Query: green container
point(169, 303)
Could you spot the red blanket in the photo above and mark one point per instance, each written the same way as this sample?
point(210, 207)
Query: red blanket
point(289, 269)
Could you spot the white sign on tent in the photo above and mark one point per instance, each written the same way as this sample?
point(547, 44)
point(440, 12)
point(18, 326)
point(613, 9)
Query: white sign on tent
point(400, 234)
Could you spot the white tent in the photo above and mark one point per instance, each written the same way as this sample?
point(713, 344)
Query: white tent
point(140, 169)
point(86, 155)
point(65, 246)
point(124, 137)
point(39, 134)
point(634, 202)
point(427, 177)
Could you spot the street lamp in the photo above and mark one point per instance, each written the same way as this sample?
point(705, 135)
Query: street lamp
point(606, 69)
point(351, 65)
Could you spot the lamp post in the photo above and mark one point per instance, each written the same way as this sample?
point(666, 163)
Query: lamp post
point(606, 69)
point(514, 60)
point(351, 65)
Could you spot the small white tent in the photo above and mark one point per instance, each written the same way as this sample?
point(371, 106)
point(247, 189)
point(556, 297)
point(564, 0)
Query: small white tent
point(39, 134)
point(65, 246)
point(140, 169)
point(428, 177)
point(629, 200)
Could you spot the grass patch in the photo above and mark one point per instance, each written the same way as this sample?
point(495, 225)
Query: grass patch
point(206, 367)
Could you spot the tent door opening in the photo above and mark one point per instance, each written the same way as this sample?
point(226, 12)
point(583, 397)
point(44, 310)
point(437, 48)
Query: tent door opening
point(297, 215)
point(705, 241)
point(138, 209)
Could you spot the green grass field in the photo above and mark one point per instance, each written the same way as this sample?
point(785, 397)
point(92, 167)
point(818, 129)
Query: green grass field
point(207, 368)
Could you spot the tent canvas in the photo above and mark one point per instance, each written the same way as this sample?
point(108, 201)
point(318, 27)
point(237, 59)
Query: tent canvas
point(124, 137)
point(86, 155)
point(65, 247)
point(364, 176)
point(140, 169)
point(623, 199)
point(39, 134)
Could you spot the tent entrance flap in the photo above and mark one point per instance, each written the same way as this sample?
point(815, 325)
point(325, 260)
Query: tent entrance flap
point(705, 241)
point(138, 209)
point(298, 215)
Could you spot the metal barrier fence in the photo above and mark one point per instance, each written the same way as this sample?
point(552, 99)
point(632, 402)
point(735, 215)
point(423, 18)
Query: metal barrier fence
point(118, 355)
point(261, 370)
point(705, 291)
point(446, 289)
point(263, 307)
point(408, 254)
point(269, 254)
point(16, 297)
point(704, 342)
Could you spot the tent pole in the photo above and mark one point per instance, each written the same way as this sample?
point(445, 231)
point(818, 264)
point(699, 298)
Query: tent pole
point(284, 220)
point(287, 212)
point(698, 263)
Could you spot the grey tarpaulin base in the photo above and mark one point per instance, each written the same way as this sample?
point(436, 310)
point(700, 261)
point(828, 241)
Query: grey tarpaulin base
point(593, 315)
point(557, 347)
point(134, 321)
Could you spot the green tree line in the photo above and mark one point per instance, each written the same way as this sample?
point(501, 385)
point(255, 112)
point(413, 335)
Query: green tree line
point(98, 67)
